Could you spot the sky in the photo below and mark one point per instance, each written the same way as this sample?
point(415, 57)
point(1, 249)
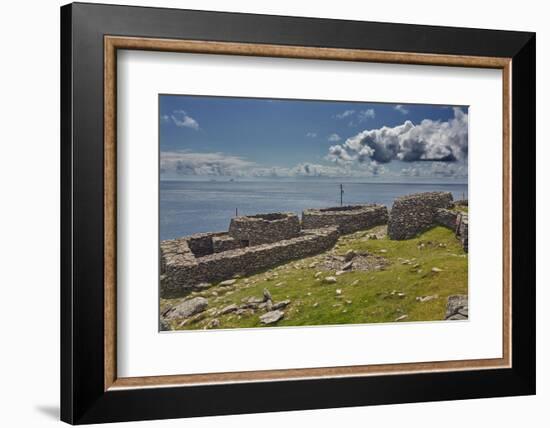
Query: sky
point(229, 138)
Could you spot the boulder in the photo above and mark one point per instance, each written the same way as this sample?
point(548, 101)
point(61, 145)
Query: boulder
point(271, 317)
point(457, 308)
point(186, 308)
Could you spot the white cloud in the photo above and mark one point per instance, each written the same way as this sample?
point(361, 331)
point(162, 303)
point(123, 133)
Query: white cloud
point(182, 119)
point(401, 109)
point(344, 114)
point(428, 141)
point(165, 118)
point(366, 114)
point(177, 164)
point(202, 164)
point(437, 169)
point(333, 138)
point(311, 135)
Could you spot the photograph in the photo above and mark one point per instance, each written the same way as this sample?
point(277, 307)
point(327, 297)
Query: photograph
point(291, 212)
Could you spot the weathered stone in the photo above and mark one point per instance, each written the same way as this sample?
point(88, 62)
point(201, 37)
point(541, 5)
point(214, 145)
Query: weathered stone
point(265, 228)
point(347, 266)
point(413, 214)
point(457, 306)
point(340, 272)
point(164, 325)
point(186, 308)
point(214, 323)
point(446, 218)
point(349, 218)
point(350, 254)
point(228, 309)
point(267, 294)
point(202, 286)
point(280, 305)
point(436, 269)
point(271, 317)
point(423, 299)
point(330, 280)
point(401, 318)
point(227, 282)
point(338, 291)
point(183, 270)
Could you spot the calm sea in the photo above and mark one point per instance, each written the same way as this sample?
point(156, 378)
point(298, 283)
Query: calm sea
point(188, 207)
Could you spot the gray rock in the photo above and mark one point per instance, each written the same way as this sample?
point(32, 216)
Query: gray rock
point(457, 307)
point(271, 317)
point(202, 286)
point(187, 308)
point(347, 266)
point(228, 309)
point(267, 295)
point(214, 323)
point(423, 299)
point(350, 254)
point(280, 305)
point(227, 282)
point(329, 280)
point(164, 326)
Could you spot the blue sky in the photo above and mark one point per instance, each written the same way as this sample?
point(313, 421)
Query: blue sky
point(248, 138)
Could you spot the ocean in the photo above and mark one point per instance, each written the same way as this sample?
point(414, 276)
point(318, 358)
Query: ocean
point(188, 207)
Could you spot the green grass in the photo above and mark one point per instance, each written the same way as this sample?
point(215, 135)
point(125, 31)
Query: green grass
point(373, 299)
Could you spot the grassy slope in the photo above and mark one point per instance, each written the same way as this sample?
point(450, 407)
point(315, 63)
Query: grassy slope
point(369, 301)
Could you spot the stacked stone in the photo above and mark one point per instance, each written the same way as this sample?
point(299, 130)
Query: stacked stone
point(348, 219)
point(447, 218)
point(183, 272)
point(462, 232)
point(413, 214)
point(265, 228)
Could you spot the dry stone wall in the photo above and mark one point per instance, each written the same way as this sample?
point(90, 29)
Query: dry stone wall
point(348, 219)
point(181, 271)
point(265, 228)
point(413, 214)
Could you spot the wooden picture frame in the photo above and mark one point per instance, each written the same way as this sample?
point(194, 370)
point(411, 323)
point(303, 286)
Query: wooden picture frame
point(91, 390)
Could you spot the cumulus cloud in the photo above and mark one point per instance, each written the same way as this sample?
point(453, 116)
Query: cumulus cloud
point(183, 120)
point(333, 138)
point(401, 109)
point(428, 141)
point(311, 134)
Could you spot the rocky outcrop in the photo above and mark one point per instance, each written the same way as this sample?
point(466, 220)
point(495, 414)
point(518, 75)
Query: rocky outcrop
point(186, 308)
point(413, 214)
point(457, 308)
point(349, 219)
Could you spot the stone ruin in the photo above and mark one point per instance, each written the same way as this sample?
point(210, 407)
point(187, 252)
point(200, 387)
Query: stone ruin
point(348, 219)
point(265, 228)
point(262, 241)
point(413, 214)
point(257, 242)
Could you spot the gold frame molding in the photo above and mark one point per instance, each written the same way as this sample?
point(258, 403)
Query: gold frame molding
point(113, 43)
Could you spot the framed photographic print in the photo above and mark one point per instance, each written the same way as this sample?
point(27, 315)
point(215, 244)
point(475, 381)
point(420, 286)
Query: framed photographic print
point(265, 213)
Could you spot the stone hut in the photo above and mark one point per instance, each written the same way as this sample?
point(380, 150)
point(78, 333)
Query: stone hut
point(264, 228)
point(415, 213)
point(181, 269)
point(349, 219)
